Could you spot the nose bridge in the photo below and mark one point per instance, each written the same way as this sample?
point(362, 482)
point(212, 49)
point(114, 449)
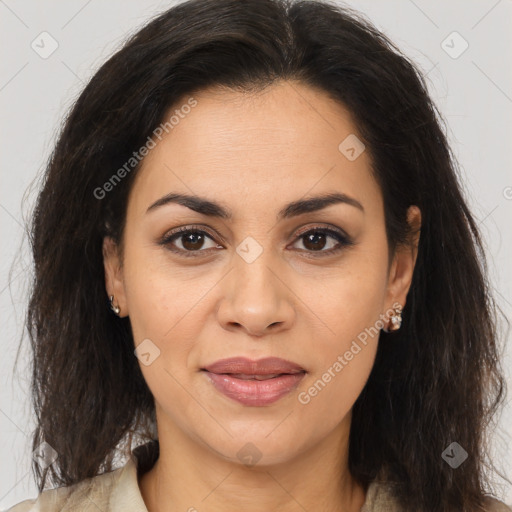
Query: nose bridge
point(253, 272)
point(257, 298)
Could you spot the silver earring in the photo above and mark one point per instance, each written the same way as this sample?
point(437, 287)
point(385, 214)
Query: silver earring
point(396, 320)
point(115, 309)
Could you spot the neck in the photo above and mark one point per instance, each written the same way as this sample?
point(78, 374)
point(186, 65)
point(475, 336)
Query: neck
point(189, 476)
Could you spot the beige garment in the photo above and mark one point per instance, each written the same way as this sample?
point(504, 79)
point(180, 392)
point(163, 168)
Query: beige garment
point(118, 491)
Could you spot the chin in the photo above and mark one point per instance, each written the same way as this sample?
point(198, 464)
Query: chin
point(255, 448)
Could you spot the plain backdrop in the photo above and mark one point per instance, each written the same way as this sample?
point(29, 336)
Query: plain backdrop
point(464, 47)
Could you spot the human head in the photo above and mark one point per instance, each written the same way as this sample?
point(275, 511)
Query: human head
point(244, 47)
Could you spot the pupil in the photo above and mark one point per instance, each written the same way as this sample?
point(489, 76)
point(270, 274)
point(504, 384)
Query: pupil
point(193, 241)
point(314, 238)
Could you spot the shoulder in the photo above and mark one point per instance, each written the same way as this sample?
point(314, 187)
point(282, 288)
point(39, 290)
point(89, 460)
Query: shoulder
point(88, 495)
point(494, 505)
point(108, 492)
point(380, 498)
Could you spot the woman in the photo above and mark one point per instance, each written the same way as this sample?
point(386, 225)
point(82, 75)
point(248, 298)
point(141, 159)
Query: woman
point(252, 254)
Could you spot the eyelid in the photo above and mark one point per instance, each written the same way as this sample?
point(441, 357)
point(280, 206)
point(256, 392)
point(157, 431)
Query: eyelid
point(327, 227)
point(176, 232)
point(344, 239)
point(191, 227)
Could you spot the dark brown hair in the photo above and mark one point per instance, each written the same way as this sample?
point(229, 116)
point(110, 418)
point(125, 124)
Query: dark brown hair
point(436, 380)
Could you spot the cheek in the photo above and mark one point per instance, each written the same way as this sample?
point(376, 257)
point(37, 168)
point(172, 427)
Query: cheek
point(170, 309)
point(331, 394)
point(159, 296)
point(343, 357)
point(164, 310)
point(346, 300)
point(350, 309)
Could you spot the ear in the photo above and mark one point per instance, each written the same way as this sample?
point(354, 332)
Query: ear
point(114, 281)
point(402, 267)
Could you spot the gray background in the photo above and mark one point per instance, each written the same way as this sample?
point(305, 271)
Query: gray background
point(473, 91)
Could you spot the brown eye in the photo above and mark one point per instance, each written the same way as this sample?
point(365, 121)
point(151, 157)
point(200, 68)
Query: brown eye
point(316, 240)
point(191, 240)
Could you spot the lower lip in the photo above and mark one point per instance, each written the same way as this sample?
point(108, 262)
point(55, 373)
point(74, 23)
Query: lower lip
point(255, 392)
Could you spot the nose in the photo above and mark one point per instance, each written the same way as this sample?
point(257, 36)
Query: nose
point(256, 298)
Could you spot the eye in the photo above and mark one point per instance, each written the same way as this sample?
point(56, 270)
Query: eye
point(316, 239)
point(192, 241)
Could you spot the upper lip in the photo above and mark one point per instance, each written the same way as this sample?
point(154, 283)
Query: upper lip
point(243, 365)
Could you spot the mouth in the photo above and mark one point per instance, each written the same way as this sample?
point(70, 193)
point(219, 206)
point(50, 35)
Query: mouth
point(267, 367)
point(238, 380)
point(243, 376)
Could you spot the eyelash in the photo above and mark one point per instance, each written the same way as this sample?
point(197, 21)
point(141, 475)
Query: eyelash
point(167, 240)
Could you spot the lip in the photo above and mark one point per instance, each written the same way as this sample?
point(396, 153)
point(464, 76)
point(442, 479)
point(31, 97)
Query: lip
point(254, 383)
point(265, 366)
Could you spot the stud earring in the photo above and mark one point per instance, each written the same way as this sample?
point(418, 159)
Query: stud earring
point(395, 320)
point(115, 309)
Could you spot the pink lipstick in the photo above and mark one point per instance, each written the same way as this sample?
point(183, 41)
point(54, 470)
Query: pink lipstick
point(254, 383)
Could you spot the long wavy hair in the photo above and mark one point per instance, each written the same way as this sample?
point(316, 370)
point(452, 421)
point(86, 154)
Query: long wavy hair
point(436, 380)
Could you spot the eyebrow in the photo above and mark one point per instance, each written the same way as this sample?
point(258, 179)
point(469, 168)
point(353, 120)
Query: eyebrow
point(211, 209)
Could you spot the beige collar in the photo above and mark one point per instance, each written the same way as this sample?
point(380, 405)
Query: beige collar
point(126, 495)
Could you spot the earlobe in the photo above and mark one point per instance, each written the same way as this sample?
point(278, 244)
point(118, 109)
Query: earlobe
point(114, 281)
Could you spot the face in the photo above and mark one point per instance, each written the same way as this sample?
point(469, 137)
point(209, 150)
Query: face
point(303, 284)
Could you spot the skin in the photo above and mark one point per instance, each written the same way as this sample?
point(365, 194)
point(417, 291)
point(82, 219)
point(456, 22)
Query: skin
point(254, 153)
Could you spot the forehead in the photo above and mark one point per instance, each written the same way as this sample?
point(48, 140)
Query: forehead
point(279, 143)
